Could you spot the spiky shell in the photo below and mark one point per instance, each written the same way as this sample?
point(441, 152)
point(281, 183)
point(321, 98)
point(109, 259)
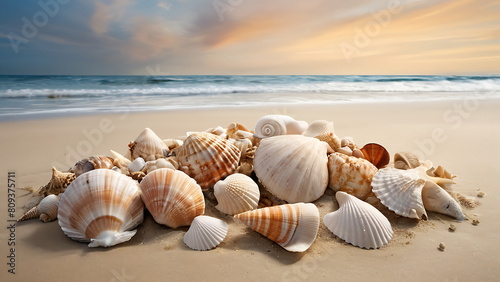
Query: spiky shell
point(376, 154)
point(147, 146)
point(205, 233)
point(236, 194)
point(207, 158)
point(319, 127)
point(358, 223)
point(100, 207)
point(57, 184)
point(436, 199)
point(92, 162)
point(172, 197)
point(292, 167)
point(400, 191)
point(292, 226)
point(46, 210)
point(351, 175)
point(274, 125)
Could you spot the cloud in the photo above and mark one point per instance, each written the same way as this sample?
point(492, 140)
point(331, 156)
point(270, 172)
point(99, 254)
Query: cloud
point(105, 14)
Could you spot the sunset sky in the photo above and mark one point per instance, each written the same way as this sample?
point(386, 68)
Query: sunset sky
point(172, 37)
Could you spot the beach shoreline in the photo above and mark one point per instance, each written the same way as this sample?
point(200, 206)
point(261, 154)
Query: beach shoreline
point(461, 135)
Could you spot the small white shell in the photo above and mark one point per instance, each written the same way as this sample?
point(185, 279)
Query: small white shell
point(236, 194)
point(436, 199)
point(400, 191)
point(46, 210)
point(137, 165)
point(205, 233)
point(274, 125)
point(358, 223)
point(319, 127)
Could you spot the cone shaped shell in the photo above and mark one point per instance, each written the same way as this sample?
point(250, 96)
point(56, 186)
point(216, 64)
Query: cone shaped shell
point(358, 223)
point(376, 154)
point(207, 158)
point(319, 127)
point(46, 210)
point(436, 199)
point(400, 191)
point(173, 198)
point(351, 175)
point(236, 194)
point(293, 168)
point(147, 146)
point(205, 233)
point(292, 226)
point(274, 125)
point(101, 206)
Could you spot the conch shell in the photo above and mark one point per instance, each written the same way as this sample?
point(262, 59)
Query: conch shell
point(292, 226)
point(46, 210)
point(148, 146)
point(93, 162)
point(236, 194)
point(57, 184)
point(274, 125)
point(205, 233)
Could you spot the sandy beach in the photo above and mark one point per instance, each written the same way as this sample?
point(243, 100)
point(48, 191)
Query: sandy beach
point(461, 135)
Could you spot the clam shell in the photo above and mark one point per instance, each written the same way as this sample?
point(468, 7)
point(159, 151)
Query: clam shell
point(147, 146)
point(236, 194)
point(292, 226)
point(358, 223)
point(46, 210)
point(207, 158)
point(100, 207)
point(205, 233)
point(400, 191)
point(376, 154)
point(93, 162)
point(351, 175)
point(173, 198)
point(292, 167)
point(274, 125)
point(319, 127)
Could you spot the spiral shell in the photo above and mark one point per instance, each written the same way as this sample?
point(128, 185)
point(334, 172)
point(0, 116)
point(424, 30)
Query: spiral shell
point(236, 194)
point(207, 158)
point(147, 146)
point(292, 226)
point(205, 233)
point(46, 210)
point(358, 223)
point(93, 162)
point(173, 198)
point(100, 207)
point(292, 167)
point(274, 125)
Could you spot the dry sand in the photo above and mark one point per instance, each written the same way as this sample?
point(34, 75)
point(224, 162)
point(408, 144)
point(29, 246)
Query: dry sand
point(463, 136)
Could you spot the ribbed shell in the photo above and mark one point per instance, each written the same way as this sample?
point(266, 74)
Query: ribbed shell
point(46, 210)
point(205, 233)
point(92, 162)
point(274, 125)
point(400, 191)
point(351, 175)
point(292, 167)
point(101, 206)
point(292, 226)
point(173, 198)
point(319, 127)
point(358, 223)
point(147, 146)
point(207, 158)
point(236, 194)
point(376, 154)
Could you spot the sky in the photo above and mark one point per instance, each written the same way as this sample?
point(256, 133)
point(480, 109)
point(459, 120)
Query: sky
point(250, 37)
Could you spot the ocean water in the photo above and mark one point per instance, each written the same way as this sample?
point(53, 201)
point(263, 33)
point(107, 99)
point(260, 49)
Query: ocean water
point(24, 97)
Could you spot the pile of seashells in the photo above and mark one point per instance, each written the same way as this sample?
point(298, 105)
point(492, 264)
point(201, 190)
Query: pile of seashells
point(101, 199)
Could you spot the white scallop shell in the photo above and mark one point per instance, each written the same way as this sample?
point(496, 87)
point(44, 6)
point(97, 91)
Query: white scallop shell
point(292, 226)
point(172, 197)
point(292, 167)
point(358, 223)
point(319, 127)
point(101, 206)
point(147, 146)
point(236, 194)
point(274, 125)
point(400, 191)
point(205, 233)
point(46, 210)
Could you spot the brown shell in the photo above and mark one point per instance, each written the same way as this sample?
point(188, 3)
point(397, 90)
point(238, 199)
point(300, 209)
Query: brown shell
point(406, 160)
point(91, 163)
point(376, 154)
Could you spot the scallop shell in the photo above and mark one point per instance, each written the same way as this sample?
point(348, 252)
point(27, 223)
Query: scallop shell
point(93, 162)
point(319, 127)
point(205, 233)
point(147, 146)
point(292, 167)
point(376, 154)
point(406, 160)
point(292, 226)
point(100, 207)
point(173, 198)
point(358, 223)
point(274, 125)
point(207, 158)
point(400, 191)
point(236, 194)
point(351, 175)
point(436, 199)
point(46, 210)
